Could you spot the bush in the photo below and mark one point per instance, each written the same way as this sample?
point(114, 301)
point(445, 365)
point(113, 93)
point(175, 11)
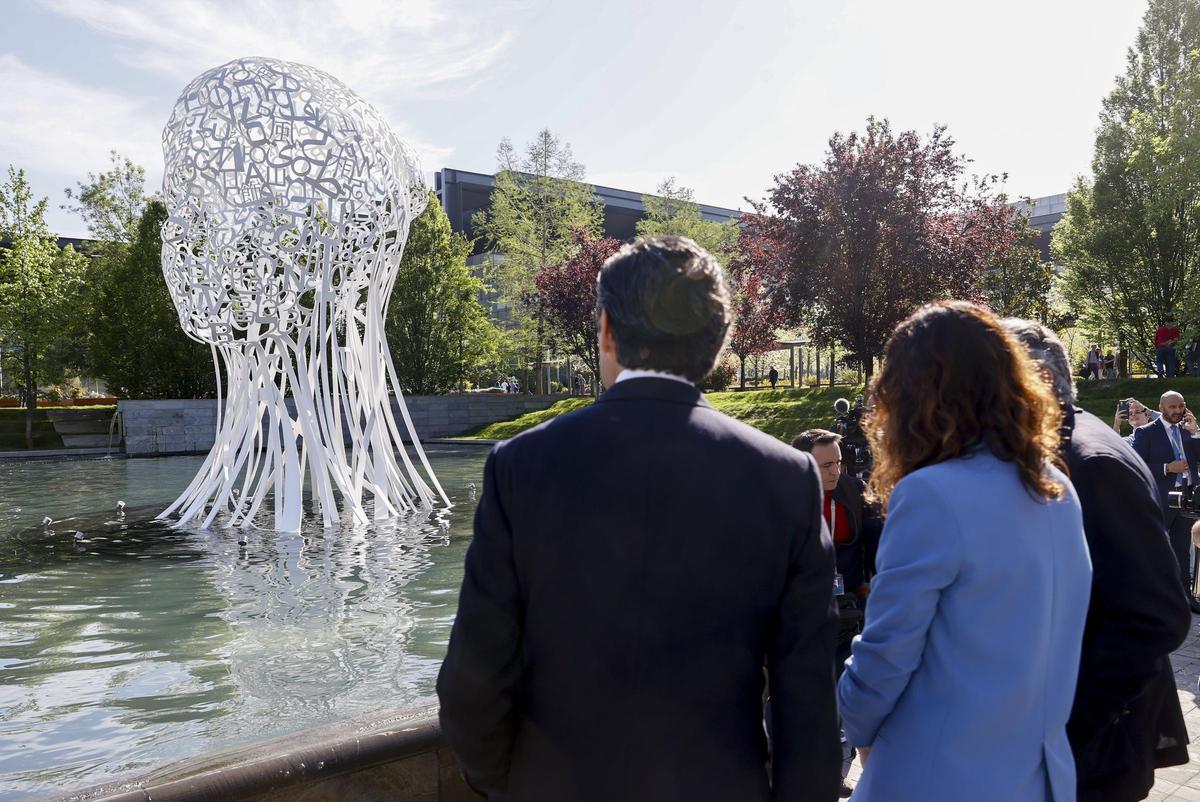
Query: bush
point(723, 376)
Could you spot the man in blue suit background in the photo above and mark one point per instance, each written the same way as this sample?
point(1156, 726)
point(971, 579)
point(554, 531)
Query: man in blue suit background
point(1170, 448)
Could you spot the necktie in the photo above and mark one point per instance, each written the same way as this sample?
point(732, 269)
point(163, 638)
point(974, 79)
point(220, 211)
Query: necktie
point(1177, 444)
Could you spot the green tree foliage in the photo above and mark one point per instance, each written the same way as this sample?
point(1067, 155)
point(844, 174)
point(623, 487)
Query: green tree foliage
point(673, 211)
point(111, 203)
point(136, 344)
point(438, 331)
point(1019, 282)
point(1130, 241)
point(539, 201)
point(38, 284)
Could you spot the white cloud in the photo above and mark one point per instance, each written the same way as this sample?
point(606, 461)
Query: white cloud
point(63, 130)
point(384, 49)
point(64, 127)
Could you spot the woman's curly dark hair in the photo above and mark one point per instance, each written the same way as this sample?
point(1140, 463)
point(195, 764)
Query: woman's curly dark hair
point(953, 378)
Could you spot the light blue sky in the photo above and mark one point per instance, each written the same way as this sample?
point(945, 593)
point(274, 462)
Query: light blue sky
point(722, 95)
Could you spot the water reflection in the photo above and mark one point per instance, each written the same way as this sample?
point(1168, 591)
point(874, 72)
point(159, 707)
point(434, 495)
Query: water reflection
point(139, 644)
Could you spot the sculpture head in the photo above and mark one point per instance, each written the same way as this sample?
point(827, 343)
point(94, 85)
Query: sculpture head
point(285, 191)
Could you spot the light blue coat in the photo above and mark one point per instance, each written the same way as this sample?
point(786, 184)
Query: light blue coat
point(963, 678)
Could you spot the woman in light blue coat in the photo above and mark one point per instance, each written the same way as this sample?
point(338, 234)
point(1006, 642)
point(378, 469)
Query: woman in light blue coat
point(960, 686)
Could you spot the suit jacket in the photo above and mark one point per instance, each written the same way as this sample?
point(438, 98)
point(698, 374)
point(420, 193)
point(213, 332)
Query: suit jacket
point(635, 566)
point(1126, 719)
point(856, 559)
point(1153, 445)
point(963, 677)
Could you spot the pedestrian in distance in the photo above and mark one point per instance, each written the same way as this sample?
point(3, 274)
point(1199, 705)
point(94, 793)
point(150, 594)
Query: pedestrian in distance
point(1166, 337)
point(1092, 364)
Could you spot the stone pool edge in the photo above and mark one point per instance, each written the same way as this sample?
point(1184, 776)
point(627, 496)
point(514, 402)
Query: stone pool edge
point(400, 756)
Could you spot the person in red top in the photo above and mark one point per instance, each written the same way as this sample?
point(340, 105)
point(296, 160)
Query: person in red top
point(853, 523)
point(855, 527)
point(1164, 349)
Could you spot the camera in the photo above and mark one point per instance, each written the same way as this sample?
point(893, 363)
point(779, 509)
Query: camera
point(1185, 499)
point(856, 451)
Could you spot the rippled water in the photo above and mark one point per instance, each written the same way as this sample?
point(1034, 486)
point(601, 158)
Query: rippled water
point(131, 645)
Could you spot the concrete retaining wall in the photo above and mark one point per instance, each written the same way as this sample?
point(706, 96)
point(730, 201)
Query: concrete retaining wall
point(398, 758)
point(156, 428)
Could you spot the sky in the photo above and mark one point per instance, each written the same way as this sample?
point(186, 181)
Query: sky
point(721, 95)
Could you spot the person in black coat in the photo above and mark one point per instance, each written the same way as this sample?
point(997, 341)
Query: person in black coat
point(636, 566)
point(1126, 719)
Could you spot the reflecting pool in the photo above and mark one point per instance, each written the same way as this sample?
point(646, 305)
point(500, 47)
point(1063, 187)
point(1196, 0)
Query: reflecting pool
point(125, 645)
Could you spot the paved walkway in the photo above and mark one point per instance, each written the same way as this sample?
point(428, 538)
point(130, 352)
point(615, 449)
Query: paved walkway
point(1180, 783)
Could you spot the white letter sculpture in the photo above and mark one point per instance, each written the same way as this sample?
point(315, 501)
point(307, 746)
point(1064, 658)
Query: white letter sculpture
point(289, 201)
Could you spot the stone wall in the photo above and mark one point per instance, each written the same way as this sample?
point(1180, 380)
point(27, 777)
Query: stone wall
point(400, 757)
point(156, 428)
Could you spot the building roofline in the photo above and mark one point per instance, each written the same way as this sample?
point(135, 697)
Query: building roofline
point(612, 196)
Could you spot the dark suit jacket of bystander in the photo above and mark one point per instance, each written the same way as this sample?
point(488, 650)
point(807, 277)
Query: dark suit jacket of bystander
point(635, 566)
point(1126, 720)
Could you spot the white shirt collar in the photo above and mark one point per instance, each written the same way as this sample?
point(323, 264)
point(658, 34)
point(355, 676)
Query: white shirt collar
point(630, 373)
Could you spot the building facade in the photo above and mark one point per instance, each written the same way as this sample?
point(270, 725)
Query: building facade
point(463, 194)
point(1044, 214)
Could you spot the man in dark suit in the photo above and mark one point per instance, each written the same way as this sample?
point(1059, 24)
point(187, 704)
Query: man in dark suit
point(636, 566)
point(1126, 720)
point(1170, 448)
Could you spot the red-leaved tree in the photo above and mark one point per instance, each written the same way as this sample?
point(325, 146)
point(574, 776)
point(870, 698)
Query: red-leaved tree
point(888, 222)
point(756, 313)
point(566, 294)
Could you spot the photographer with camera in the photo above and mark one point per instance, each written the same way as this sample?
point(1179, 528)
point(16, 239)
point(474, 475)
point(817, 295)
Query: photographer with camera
point(1126, 719)
point(853, 523)
point(1170, 448)
point(856, 451)
point(854, 526)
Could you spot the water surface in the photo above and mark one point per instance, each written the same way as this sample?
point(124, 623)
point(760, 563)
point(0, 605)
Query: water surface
point(130, 644)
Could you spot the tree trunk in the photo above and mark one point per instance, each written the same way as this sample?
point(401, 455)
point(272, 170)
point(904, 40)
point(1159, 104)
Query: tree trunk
point(869, 365)
point(743, 380)
point(30, 397)
point(540, 388)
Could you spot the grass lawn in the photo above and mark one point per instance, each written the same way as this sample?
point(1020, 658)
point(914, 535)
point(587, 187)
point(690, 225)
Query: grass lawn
point(783, 413)
point(786, 413)
point(1100, 398)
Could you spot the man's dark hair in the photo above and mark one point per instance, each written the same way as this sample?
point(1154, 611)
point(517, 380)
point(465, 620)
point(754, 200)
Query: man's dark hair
point(667, 305)
point(815, 437)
